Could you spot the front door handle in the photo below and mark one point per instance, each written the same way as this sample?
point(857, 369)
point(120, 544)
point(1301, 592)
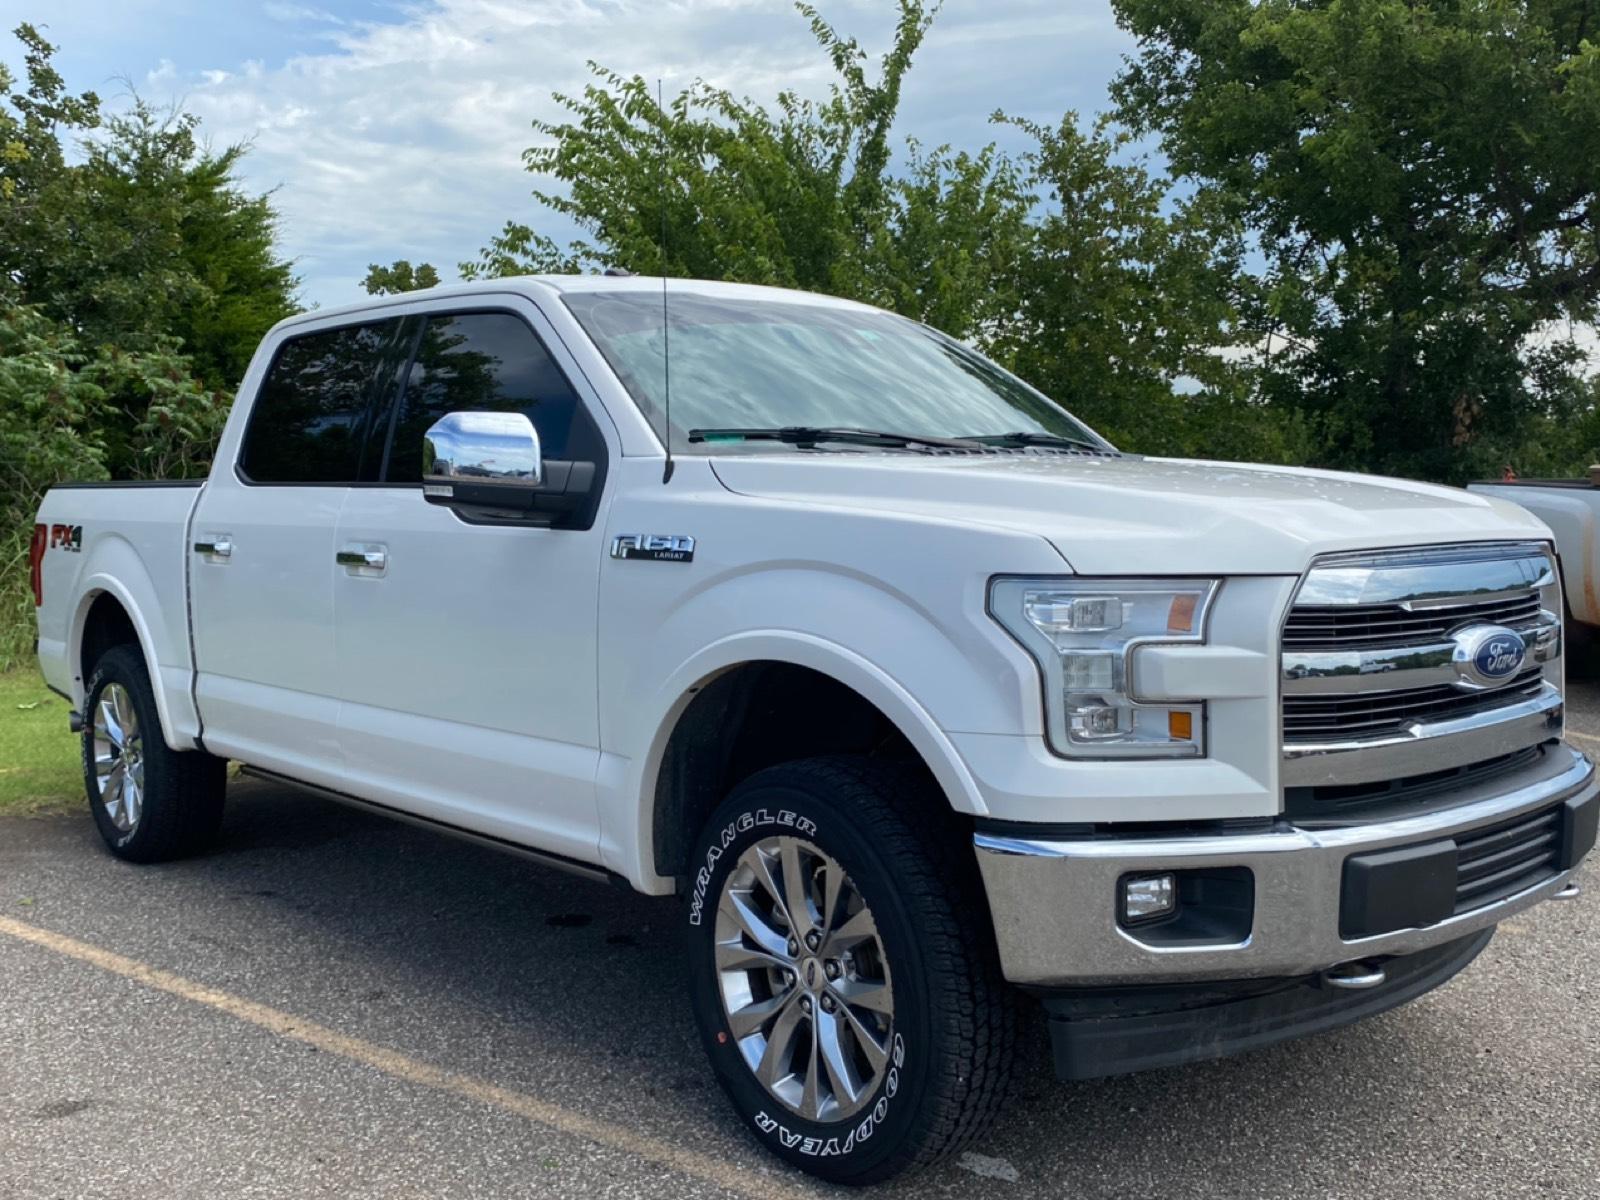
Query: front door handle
point(219, 545)
point(363, 557)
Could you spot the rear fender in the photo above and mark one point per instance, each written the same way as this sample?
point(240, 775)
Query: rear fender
point(114, 568)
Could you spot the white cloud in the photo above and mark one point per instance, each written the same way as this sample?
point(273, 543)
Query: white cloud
point(296, 13)
point(402, 138)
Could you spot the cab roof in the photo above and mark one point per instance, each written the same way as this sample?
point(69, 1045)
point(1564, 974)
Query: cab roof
point(536, 285)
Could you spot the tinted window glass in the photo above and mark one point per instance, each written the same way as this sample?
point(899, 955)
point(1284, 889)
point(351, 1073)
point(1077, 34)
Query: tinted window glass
point(485, 362)
point(771, 363)
point(309, 419)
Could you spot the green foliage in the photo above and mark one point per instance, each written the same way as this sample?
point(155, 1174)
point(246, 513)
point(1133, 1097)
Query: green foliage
point(801, 195)
point(1423, 180)
point(147, 240)
point(399, 276)
point(60, 408)
point(1071, 265)
point(1117, 291)
point(48, 434)
point(135, 282)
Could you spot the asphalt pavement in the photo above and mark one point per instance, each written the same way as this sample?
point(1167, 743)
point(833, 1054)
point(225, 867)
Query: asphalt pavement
point(336, 1005)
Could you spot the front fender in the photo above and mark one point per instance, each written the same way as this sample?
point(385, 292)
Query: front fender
point(890, 605)
point(632, 853)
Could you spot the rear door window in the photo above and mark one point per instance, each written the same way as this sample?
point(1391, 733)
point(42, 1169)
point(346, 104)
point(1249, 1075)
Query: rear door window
point(309, 423)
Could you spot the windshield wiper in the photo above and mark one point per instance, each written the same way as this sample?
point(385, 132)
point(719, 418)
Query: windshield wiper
point(1020, 440)
point(812, 435)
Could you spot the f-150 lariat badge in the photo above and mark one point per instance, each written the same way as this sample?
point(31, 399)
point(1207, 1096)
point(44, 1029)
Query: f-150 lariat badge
point(655, 547)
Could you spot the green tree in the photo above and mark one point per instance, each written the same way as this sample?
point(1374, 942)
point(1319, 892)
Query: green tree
point(399, 276)
point(802, 195)
point(1422, 181)
point(1121, 291)
point(136, 279)
point(1072, 264)
point(147, 238)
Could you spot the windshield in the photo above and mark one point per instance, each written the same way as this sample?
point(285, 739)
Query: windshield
point(769, 364)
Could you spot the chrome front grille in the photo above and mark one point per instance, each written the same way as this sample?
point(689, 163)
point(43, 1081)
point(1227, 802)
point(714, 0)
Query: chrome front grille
point(1314, 718)
point(1379, 681)
point(1329, 627)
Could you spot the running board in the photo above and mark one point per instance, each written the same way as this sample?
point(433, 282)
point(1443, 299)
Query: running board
point(543, 857)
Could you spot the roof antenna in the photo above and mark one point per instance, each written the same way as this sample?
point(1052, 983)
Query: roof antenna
point(666, 325)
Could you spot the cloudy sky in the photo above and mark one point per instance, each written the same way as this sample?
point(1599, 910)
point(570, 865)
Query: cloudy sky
point(394, 128)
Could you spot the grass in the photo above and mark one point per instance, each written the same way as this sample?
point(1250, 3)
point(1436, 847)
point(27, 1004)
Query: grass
point(39, 763)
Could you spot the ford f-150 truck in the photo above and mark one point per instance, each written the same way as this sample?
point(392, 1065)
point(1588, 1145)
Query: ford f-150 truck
point(933, 708)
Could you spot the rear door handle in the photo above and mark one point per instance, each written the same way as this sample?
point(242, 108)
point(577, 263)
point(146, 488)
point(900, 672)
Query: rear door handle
point(217, 545)
point(364, 557)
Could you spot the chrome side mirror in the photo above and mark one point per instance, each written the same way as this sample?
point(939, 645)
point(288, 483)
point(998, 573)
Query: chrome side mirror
point(482, 458)
point(489, 469)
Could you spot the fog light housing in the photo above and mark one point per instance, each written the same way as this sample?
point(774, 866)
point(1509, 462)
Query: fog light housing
point(1146, 898)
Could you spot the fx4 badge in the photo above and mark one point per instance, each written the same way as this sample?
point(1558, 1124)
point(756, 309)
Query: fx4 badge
point(66, 537)
point(655, 547)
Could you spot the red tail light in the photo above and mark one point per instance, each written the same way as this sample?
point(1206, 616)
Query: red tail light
point(41, 538)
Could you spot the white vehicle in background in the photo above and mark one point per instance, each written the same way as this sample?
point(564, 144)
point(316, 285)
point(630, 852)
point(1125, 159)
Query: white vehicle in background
point(1571, 508)
point(931, 705)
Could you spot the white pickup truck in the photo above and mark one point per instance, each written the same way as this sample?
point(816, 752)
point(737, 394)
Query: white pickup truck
point(932, 707)
point(1571, 508)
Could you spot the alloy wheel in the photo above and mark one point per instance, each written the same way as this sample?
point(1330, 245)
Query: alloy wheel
point(118, 757)
point(804, 979)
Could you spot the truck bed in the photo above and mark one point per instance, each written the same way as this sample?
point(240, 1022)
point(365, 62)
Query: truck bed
point(128, 539)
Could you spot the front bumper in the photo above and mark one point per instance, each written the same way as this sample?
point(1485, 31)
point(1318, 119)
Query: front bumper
point(1054, 900)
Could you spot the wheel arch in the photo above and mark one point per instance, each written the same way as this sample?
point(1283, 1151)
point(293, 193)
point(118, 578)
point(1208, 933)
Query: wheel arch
point(732, 714)
point(107, 615)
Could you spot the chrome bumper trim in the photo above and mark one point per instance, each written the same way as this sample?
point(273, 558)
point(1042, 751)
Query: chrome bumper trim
point(1424, 748)
point(1054, 901)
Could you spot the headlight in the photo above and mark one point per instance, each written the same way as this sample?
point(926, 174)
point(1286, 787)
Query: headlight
point(1082, 633)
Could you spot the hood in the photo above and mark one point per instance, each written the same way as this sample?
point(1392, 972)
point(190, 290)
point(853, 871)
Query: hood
point(1109, 516)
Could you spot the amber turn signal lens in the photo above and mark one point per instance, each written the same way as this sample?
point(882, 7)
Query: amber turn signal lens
point(1180, 617)
point(1180, 726)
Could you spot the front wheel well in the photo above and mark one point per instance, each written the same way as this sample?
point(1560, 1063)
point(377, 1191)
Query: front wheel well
point(745, 720)
point(106, 624)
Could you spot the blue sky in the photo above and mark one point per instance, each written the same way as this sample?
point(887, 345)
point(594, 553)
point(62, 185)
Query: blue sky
point(394, 130)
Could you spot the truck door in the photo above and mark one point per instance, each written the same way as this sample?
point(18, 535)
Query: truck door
point(466, 652)
point(261, 553)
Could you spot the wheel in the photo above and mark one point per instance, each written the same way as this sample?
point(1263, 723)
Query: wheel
point(843, 971)
point(150, 802)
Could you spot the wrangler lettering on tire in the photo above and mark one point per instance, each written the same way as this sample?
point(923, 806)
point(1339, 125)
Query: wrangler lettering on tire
point(841, 969)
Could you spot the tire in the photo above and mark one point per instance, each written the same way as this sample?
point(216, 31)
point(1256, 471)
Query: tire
point(174, 807)
point(944, 1050)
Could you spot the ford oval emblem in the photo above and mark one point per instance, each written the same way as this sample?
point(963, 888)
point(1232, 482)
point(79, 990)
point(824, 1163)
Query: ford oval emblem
point(1488, 655)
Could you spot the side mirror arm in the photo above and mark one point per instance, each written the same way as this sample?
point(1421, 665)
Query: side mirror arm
point(564, 488)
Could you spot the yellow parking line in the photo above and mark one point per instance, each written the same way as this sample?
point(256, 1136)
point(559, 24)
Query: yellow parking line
point(1583, 737)
point(393, 1063)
